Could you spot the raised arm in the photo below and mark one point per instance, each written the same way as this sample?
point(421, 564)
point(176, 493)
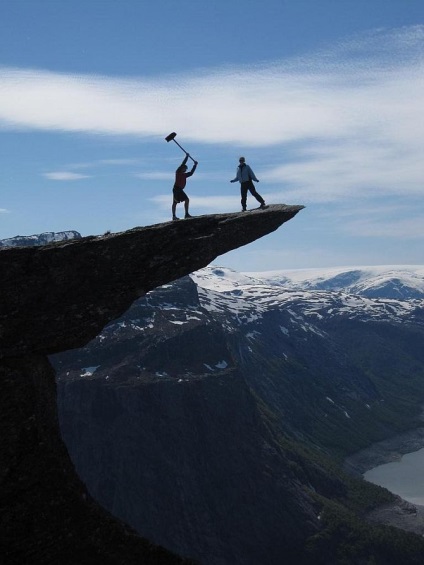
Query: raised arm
point(192, 170)
point(185, 160)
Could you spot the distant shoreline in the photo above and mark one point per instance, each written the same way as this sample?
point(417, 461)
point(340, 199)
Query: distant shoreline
point(399, 513)
point(385, 451)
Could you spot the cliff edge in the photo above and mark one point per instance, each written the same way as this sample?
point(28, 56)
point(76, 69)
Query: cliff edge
point(58, 297)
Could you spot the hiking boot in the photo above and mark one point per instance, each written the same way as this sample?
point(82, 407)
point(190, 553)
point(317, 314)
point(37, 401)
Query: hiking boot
point(243, 209)
point(262, 205)
point(175, 218)
point(187, 216)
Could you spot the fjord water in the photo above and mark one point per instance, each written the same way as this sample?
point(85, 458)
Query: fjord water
point(404, 477)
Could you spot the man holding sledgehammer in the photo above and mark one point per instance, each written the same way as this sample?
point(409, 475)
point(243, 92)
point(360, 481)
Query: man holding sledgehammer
point(179, 195)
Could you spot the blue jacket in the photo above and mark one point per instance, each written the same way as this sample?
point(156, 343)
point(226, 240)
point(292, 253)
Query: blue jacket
point(244, 173)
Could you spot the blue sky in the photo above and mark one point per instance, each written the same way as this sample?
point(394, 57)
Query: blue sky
point(323, 98)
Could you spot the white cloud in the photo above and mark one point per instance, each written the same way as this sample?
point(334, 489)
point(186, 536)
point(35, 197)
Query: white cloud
point(4, 211)
point(156, 176)
point(203, 204)
point(350, 119)
point(169, 176)
point(65, 176)
point(119, 161)
point(324, 97)
point(107, 162)
point(398, 228)
point(352, 168)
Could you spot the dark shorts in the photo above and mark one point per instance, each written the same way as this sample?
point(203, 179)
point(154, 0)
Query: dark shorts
point(179, 194)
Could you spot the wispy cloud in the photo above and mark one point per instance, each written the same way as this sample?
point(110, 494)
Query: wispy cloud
point(351, 118)
point(353, 168)
point(155, 176)
point(118, 162)
point(169, 176)
point(65, 176)
point(203, 204)
point(105, 162)
point(4, 211)
point(396, 227)
point(354, 89)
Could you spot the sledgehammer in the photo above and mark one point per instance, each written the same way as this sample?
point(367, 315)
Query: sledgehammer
point(171, 137)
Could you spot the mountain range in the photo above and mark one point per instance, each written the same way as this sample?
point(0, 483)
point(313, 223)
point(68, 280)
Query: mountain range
point(39, 239)
point(399, 282)
point(215, 415)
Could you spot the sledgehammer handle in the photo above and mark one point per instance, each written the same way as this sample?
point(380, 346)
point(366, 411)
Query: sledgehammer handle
point(184, 150)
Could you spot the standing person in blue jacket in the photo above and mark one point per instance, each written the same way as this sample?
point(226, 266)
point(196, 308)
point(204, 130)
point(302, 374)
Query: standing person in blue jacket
point(246, 176)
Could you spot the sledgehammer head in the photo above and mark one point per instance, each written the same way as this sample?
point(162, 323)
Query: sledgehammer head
point(171, 136)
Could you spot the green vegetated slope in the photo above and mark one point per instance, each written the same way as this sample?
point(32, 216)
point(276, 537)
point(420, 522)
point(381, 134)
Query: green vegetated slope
point(232, 427)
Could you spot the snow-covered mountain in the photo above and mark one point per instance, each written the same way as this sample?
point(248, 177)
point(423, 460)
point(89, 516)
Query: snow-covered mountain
point(353, 293)
point(39, 239)
point(185, 387)
point(272, 321)
point(344, 348)
point(397, 282)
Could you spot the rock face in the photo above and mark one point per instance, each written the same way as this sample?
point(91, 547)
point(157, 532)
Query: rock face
point(57, 297)
point(46, 514)
point(195, 457)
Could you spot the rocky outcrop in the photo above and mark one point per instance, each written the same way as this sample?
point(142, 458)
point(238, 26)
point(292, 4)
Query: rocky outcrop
point(46, 514)
point(58, 297)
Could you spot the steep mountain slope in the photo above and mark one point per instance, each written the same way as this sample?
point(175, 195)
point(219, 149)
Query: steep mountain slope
point(207, 416)
point(358, 359)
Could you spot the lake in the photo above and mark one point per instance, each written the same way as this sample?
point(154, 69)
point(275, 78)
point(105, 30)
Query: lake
point(404, 477)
